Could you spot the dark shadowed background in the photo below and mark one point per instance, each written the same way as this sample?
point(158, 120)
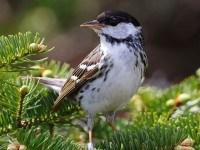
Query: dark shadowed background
point(171, 30)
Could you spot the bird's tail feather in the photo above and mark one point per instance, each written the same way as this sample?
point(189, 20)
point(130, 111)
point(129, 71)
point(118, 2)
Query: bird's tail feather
point(52, 83)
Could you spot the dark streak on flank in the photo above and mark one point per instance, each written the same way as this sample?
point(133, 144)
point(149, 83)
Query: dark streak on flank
point(143, 59)
point(103, 67)
point(106, 74)
point(100, 75)
point(111, 65)
point(136, 63)
point(80, 98)
point(87, 87)
point(79, 103)
point(81, 91)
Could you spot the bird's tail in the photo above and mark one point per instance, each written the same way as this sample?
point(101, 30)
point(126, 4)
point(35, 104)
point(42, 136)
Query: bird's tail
point(52, 83)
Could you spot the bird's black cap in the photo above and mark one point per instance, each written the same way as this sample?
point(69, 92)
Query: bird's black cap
point(113, 18)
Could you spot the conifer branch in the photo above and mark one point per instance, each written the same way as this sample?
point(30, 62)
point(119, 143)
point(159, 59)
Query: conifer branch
point(14, 49)
point(169, 118)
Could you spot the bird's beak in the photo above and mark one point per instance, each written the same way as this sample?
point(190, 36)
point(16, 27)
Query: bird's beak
point(92, 24)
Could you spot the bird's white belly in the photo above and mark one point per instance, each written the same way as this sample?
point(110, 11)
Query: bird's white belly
point(121, 84)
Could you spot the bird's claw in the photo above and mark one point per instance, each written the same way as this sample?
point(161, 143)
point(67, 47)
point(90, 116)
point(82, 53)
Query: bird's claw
point(90, 146)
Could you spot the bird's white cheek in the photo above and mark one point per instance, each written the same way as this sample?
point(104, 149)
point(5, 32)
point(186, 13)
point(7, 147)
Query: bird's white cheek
point(121, 31)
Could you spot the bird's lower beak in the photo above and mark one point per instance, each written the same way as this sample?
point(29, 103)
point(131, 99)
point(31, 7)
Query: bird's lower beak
point(92, 24)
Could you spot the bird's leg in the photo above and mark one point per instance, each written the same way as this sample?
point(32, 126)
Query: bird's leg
point(90, 125)
point(110, 118)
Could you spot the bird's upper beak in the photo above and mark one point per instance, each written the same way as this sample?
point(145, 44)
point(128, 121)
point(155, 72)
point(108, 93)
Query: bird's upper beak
point(92, 24)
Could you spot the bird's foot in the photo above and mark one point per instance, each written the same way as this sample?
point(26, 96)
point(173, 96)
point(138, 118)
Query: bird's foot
point(90, 146)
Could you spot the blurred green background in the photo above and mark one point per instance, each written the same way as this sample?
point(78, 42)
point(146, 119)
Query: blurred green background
point(171, 30)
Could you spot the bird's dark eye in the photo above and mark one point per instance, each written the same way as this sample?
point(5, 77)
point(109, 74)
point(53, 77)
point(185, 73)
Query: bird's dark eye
point(112, 21)
point(109, 21)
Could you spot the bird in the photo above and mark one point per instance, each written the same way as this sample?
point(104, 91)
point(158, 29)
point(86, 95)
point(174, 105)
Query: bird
point(110, 74)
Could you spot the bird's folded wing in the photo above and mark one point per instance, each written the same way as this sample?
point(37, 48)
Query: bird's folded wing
point(87, 69)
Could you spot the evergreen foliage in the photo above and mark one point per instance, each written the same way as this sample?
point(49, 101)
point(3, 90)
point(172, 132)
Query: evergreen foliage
point(154, 119)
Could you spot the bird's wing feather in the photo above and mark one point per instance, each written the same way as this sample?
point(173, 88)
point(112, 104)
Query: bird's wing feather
point(82, 75)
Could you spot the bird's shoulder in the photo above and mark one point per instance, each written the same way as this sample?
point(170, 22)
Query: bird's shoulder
point(86, 70)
